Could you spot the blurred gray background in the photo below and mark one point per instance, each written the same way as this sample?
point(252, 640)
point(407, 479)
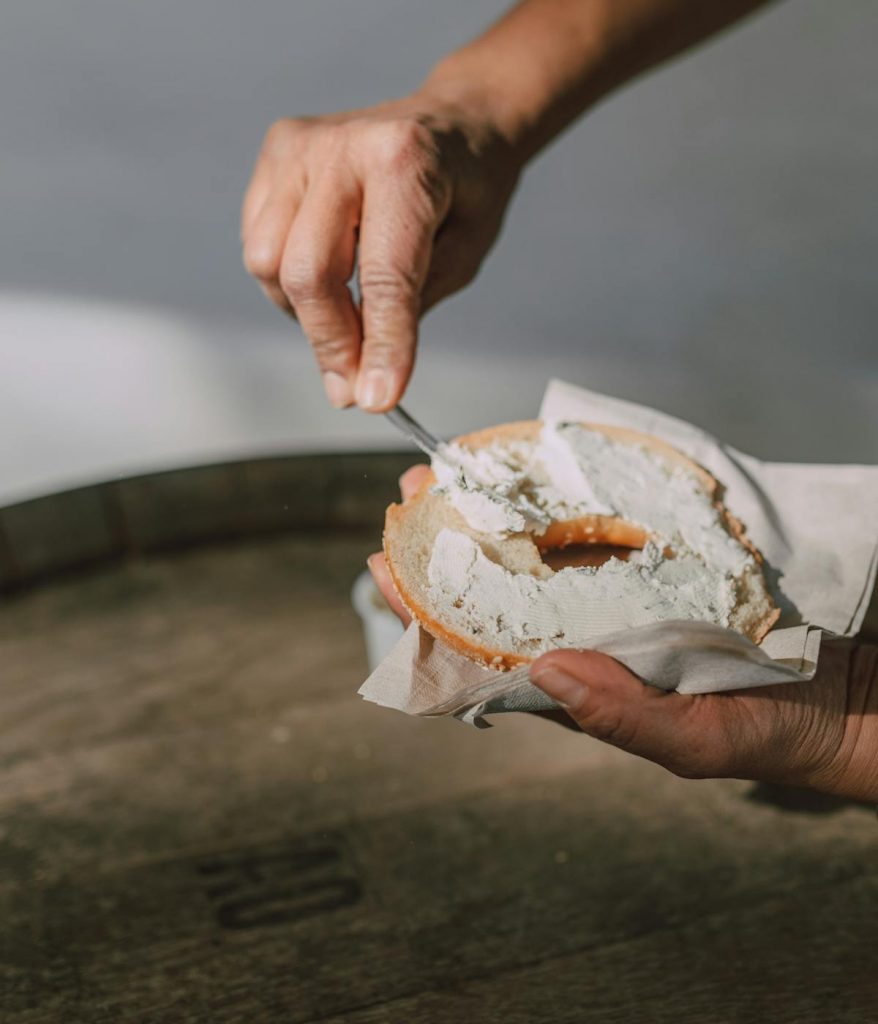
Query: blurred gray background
point(706, 241)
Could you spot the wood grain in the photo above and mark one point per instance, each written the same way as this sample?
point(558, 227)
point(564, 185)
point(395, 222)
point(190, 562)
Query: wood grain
point(201, 821)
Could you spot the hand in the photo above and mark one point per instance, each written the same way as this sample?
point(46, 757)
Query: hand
point(414, 190)
point(822, 734)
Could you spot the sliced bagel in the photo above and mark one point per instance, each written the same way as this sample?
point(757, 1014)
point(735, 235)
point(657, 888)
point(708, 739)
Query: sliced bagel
point(412, 529)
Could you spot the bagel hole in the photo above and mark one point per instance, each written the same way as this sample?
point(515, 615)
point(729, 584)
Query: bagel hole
point(575, 556)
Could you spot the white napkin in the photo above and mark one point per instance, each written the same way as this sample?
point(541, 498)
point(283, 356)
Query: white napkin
point(816, 526)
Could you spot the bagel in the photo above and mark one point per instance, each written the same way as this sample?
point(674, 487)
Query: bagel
point(466, 551)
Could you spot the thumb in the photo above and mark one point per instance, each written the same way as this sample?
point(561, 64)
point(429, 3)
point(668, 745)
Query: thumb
point(609, 702)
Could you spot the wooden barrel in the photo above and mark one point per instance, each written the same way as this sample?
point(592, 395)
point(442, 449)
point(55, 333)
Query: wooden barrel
point(201, 821)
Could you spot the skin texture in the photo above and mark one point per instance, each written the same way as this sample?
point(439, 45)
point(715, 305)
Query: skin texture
point(821, 734)
point(411, 193)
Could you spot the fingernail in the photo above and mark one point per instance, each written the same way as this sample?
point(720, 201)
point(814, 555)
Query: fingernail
point(567, 690)
point(373, 390)
point(338, 391)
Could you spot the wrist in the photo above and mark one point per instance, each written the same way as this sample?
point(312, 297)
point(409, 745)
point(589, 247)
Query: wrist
point(471, 104)
point(522, 104)
point(472, 98)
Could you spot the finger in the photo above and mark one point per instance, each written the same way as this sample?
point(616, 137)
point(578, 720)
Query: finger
point(264, 242)
point(317, 264)
point(256, 194)
point(682, 733)
point(411, 480)
point(399, 221)
point(276, 294)
point(383, 580)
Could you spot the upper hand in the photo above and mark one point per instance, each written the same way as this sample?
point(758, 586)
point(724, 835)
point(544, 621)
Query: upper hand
point(413, 190)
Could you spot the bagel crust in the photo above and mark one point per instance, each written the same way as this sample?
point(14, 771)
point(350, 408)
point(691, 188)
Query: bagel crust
point(484, 589)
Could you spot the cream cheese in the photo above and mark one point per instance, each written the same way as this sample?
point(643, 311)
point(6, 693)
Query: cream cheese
point(486, 488)
point(570, 472)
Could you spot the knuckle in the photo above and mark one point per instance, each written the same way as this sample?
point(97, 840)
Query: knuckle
point(334, 140)
point(305, 281)
point(261, 260)
point(402, 145)
point(386, 354)
point(432, 191)
point(280, 135)
point(389, 285)
point(408, 152)
point(331, 351)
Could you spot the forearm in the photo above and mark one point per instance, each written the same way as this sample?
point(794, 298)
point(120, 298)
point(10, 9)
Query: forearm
point(547, 61)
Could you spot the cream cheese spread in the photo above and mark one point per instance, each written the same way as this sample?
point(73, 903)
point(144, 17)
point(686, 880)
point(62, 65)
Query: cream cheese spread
point(573, 471)
point(488, 491)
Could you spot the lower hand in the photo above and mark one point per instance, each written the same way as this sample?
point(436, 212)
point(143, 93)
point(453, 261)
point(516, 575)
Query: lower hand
point(822, 733)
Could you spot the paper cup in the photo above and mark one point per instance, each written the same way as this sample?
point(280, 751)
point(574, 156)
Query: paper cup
point(381, 628)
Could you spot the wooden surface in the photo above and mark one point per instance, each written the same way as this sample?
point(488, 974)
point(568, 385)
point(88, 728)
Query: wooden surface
point(201, 821)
